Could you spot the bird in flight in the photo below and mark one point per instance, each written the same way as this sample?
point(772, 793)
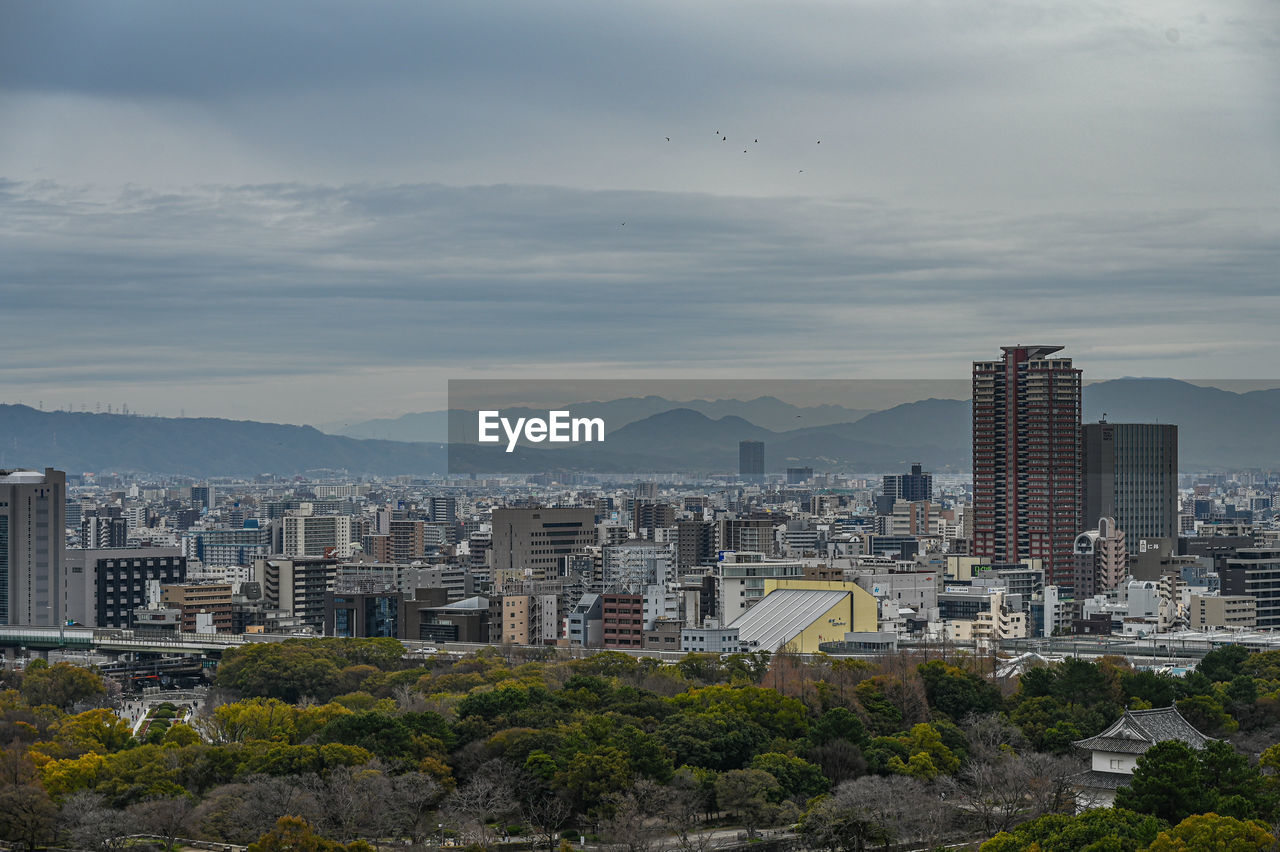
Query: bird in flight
point(668, 138)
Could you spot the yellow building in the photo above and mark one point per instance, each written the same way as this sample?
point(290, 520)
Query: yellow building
point(797, 615)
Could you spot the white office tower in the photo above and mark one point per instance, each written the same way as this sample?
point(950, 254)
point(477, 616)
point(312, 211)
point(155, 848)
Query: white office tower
point(32, 523)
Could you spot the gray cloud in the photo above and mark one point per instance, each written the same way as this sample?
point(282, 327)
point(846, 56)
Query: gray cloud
point(261, 284)
point(292, 210)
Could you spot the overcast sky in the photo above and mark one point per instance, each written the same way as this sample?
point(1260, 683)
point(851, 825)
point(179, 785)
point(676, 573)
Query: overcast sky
point(317, 212)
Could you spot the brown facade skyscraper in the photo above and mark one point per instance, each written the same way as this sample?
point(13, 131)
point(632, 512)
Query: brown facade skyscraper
point(1026, 459)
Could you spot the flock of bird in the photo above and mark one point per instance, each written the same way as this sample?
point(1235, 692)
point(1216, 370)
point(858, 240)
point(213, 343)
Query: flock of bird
point(725, 138)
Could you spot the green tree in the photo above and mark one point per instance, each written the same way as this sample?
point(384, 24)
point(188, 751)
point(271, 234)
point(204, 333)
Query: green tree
point(285, 670)
point(1223, 664)
point(1097, 830)
point(1168, 783)
point(1157, 690)
point(1213, 833)
point(100, 731)
point(1238, 788)
point(1206, 715)
point(838, 723)
point(251, 719)
point(591, 777)
point(749, 795)
point(711, 741)
point(181, 735)
point(797, 778)
point(61, 685)
point(778, 714)
point(956, 692)
point(386, 736)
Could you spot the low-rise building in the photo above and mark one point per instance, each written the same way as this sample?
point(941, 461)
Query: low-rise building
point(623, 621)
point(710, 639)
point(1222, 611)
point(1003, 617)
point(206, 607)
point(362, 613)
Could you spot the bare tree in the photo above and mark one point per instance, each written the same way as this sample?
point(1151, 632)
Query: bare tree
point(27, 815)
point(408, 699)
point(991, 735)
point(839, 823)
point(349, 798)
point(875, 810)
point(164, 818)
point(85, 822)
point(1048, 780)
point(633, 827)
point(546, 813)
point(243, 812)
point(486, 797)
point(991, 790)
point(685, 805)
point(903, 687)
point(905, 807)
point(1007, 788)
point(411, 804)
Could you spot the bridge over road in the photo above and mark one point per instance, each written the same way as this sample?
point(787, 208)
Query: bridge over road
point(118, 642)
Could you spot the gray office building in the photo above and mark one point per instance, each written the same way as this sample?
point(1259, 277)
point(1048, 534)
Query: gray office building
point(751, 460)
point(1254, 572)
point(537, 540)
point(32, 524)
point(1130, 473)
point(912, 487)
point(102, 587)
point(695, 543)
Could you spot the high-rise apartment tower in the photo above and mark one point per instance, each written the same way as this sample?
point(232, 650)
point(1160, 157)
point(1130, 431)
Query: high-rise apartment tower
point(1026, 459)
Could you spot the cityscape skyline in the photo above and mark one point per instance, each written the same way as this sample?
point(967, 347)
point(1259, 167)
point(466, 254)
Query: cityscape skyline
point(503, 426)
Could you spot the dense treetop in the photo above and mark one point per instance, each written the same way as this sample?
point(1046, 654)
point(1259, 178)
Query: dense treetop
point(334, 732)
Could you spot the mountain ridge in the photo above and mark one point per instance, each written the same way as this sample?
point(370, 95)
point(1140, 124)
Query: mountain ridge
point(1218, 430)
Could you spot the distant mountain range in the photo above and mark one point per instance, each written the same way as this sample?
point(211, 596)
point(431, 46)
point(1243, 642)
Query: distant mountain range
point(765, 411)
point(80, 442)
point(934, 432)
point(1218, 430)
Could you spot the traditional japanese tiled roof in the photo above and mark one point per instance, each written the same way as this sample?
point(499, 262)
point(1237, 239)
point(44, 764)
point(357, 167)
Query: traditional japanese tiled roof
point(1120, 745)
point(1138, 730)
point(1095, 780)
